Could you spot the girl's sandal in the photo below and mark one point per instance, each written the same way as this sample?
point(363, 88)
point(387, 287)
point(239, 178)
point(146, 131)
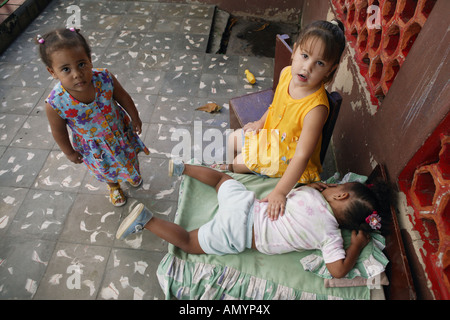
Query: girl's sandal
point(117, 196)
point(135, 185)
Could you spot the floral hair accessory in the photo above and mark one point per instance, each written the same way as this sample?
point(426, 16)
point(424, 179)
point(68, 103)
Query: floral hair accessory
point(40, 39)
point(72, 29)
point(374, 221)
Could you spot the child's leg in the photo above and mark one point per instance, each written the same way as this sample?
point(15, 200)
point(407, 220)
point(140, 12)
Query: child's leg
point(142, 218)
point(206, 175)
point(176, 235)
point(239, 166)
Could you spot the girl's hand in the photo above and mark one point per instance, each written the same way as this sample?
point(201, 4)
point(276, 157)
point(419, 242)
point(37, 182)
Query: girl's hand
point(320, 186)
point(253, 126)
point(359, 239)
point(276, 205)
point(75, 157)
point(137, 125)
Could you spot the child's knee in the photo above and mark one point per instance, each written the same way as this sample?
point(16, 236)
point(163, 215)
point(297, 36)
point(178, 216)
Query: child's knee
point(192, 245)
point(224, 178)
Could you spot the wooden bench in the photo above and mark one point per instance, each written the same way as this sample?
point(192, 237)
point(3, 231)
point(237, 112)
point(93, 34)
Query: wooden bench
point(251, 107)
point(401, 286)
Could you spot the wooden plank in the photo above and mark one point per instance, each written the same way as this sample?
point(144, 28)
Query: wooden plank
point(401, 286)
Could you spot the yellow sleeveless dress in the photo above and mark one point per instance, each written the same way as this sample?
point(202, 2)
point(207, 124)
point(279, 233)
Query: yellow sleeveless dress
point(269, 151)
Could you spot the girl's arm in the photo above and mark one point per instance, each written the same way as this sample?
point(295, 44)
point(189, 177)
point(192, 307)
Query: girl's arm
point(125, 100)
point(312, 129)
point(340, 268)
point(61, 135)
point(256, 125)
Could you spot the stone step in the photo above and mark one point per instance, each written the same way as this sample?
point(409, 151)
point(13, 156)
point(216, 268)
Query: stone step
point(15, 16)
point(218, 30)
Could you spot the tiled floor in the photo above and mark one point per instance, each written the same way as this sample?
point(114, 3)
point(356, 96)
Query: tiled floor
point(57, 227)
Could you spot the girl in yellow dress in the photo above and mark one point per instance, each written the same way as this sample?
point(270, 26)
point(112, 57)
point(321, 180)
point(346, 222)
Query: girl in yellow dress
point(286, 141)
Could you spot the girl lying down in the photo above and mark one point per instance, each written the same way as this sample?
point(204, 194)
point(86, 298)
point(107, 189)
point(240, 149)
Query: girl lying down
point(312, 219)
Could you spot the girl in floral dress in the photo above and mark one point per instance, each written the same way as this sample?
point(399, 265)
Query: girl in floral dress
point(96, 108)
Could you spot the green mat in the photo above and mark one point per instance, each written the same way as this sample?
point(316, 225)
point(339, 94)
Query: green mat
point(248, 275)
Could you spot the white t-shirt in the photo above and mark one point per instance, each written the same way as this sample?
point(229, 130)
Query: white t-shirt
point(308, 223)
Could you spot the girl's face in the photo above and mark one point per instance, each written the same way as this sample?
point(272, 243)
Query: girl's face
point(308, 66)
point(73, 68)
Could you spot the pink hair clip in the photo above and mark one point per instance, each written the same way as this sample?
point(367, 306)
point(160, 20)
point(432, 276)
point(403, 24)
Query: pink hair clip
point(40, 39)
point(374, 221)
point(72, 29)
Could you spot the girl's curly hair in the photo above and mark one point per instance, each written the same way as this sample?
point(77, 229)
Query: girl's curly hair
point(366, 200)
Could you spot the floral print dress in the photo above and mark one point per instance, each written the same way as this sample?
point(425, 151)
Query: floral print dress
point(101, 131)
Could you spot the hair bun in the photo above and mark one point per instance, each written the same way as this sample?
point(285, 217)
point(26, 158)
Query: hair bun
point(338, 23)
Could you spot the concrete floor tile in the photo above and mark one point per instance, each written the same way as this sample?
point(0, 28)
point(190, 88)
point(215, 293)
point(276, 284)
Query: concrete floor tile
point(151, 60)
point(139, 23)
point(119, 62)
point(99, 38)
point(102, 21)
point(21, 100)
point(180, 84)
point(19, 167)
point(32, 75)
point(182, 61)
point(144, 7)
point(221, 64)
point(23, 264)
point(11, 200)
point(197, 26)
point(192, 42)
point(8, 72)
point(217, 85)
point(161, 139)
point(182, 109)
point(107, 7)
point(59, 173)
point(200, 11)
point(34, 133)
point(170, 24)
point(42, 214)
point(145, 104)
point(169, 10)
point(93, 220)
point(9, 125)
point(130, 275)
point(74, 272)
point(148, 82)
